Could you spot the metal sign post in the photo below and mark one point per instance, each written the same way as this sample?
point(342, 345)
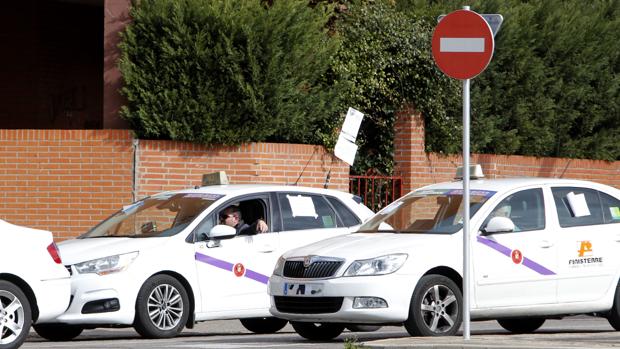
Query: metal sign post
point(462, 48)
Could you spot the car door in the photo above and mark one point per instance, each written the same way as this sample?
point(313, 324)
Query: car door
point(233, 272)
point(518, 267)
point(307, 218)
point(590, 238)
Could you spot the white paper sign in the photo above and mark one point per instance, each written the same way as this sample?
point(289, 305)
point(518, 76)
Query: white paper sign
point(578, 204)
point(302, 206)
point(351, 124)
point(345, 150)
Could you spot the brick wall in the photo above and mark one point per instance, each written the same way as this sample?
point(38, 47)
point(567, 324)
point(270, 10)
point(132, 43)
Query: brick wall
point(66, 181)
point(420, 168)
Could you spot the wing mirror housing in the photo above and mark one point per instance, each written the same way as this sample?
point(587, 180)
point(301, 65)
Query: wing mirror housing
point(499, 225)
point(221, 232)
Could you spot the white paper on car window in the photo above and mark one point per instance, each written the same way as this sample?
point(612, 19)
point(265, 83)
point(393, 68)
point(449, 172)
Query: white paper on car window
point(578, 205)
point(302, 206)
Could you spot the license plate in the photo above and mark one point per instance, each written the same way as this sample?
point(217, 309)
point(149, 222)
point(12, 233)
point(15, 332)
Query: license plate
point(308, 290)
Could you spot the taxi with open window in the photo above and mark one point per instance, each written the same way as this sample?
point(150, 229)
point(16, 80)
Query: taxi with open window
point(541, 248)
point(167, 261)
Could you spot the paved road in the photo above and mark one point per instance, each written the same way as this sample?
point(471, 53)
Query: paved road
point(576, 332)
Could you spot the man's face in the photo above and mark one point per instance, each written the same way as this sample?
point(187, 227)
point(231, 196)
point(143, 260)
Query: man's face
point(230, 219)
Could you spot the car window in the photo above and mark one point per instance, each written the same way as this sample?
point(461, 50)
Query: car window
point(577, 206)
point(611, 208)
point(303, 211)
point(525, 208)
point(349, 219)
point(426, 211)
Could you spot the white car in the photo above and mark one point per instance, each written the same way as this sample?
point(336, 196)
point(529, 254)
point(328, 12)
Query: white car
point(165, 262)
point(540, 248)
point(34, 284)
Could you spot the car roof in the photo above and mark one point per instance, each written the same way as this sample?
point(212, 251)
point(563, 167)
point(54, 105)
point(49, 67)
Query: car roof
point(238, 189)
point(505, 184)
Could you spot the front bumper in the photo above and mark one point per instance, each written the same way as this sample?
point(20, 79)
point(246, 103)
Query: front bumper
point(93, 289)
point(395, 289)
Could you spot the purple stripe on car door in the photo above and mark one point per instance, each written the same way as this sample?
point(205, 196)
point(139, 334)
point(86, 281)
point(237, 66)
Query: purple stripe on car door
point(214, 261)
point(250, 274)
point(508, 253)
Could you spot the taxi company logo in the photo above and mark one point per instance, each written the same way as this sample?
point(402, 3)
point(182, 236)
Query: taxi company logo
point(586, 247)
point(308, 260)
point(239, 270)
point(584, 252)
point(517, 256)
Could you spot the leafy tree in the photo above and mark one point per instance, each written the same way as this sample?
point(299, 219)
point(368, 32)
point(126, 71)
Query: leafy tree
point(386, 62)
point(229, 71)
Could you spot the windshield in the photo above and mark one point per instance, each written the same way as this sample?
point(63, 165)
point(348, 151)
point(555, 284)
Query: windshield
point(156, 216)
point(437, 211)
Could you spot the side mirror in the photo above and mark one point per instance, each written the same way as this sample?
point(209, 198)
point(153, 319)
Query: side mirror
point(222, 231)
point(499, 225)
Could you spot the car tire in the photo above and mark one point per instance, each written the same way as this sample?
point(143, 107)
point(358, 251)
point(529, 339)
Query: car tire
point(263, 325)
point(363, 328)
point(318, 331)
point(162, 307)
point(15, 310)
point(614, 314)
point(435, 308)
point(58, 332)
point(521, 325)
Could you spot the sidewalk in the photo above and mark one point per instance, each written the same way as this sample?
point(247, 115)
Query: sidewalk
point(583, 340)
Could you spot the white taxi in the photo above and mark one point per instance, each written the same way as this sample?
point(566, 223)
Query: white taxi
point(541, 248)
point(34, 284)
point(166, 261)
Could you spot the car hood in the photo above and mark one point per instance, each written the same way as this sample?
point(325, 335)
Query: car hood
point(81, 250)
point(362, 245)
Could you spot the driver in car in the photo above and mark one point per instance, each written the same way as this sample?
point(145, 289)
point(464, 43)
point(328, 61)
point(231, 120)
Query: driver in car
point(231, 216)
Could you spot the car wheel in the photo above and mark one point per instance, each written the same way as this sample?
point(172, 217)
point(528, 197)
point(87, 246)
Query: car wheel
point(614, 314)
point(263, 325)
point(162, 307)
point(58, 332)
point(521, 325)
point(318, 331)
point(363, 328)
point(435, 308)
point(15, 315)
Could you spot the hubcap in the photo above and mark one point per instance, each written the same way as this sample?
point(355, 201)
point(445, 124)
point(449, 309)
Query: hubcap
point(439, 309)
point(11, 317)
point(165, 307)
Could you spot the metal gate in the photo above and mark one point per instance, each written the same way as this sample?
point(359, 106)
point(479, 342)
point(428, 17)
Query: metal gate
point(376, 191)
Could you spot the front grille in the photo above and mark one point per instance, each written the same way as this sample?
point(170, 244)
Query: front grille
point(308, 305)
point(318, 269)
point(69, 269)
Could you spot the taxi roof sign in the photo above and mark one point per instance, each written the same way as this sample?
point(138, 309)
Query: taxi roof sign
point(215, 178)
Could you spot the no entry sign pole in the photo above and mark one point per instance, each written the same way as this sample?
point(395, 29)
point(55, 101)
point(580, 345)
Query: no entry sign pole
point(462, 48)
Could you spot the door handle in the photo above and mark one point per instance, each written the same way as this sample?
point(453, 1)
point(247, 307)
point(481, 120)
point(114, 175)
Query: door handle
point(546, 244)
point(617, 237)
point(266, 248)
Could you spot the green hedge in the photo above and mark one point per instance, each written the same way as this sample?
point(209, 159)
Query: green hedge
point(229, 71)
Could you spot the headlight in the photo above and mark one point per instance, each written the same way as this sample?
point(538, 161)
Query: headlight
point(376, 266)
point(106, 265)
point(279, 268)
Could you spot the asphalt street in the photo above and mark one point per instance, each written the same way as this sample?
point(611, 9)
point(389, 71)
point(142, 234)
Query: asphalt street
point(573, 332)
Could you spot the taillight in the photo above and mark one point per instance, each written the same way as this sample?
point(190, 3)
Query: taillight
point(54, 252)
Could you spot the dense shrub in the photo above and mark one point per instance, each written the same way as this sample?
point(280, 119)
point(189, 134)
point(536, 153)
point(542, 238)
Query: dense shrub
point(229, 71)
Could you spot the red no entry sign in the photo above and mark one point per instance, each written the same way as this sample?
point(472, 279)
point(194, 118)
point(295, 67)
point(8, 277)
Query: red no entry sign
point(462, 44)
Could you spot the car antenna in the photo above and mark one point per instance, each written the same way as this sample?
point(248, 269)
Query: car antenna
point(327, 178)
point(306, 165)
